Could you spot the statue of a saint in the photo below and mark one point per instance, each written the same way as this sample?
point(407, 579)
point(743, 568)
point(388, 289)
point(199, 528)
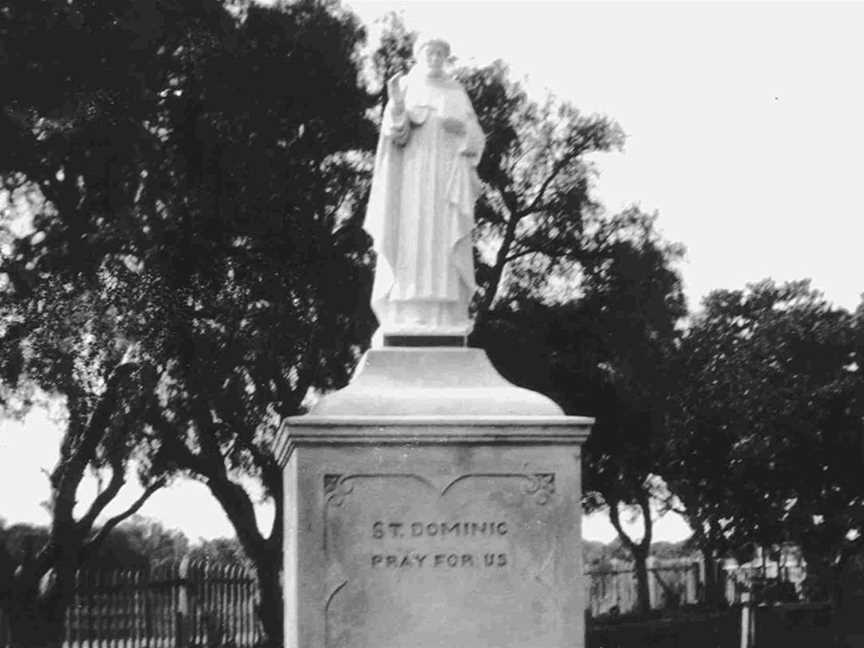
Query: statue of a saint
point(421, 207)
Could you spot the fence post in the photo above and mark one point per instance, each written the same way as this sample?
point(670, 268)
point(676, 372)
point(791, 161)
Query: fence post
point(748, 621)
point(147, 609)
point(691, 583)
point(182, 614)
point(651, 564)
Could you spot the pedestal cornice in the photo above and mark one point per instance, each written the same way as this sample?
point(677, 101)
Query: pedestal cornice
point(422, 396)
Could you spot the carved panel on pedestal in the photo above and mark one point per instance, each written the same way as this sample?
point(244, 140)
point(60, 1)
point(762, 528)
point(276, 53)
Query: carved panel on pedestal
point(408, 553)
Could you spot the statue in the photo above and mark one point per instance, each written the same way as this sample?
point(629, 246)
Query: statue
point(421, 206)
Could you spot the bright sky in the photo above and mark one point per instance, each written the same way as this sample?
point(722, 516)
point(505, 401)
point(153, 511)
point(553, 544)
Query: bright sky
point(744, 132)
point(744, 121)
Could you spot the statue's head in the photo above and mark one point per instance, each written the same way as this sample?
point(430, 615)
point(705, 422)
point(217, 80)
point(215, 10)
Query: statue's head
point(432, 52)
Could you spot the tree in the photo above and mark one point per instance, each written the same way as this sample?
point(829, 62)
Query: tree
point(279, 304)
point(531, 217)
point(393, 55)
point(51, 344)
point(200, 194)
point(547, 241)
point(765, 443)
point(605, 354)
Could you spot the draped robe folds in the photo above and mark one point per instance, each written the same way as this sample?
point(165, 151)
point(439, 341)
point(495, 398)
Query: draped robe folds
point(421, 210)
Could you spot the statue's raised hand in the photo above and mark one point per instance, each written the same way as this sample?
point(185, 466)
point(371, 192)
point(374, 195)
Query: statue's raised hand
point(396, 93)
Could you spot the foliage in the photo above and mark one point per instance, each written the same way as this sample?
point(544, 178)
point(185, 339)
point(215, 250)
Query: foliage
point(192, 264)
point(393, 55)
point(21, 540)
point(52, 343)
point(220, 551)
point(765, 443)
point(532, 215)
point(594, 299)
point(137, 542)
point(142, 541)
point(605, 355)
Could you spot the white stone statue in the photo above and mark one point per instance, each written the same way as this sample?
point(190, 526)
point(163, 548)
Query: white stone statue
point(421, 207)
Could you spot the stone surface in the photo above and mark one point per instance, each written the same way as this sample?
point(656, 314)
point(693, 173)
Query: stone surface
point(422, 510)
point(432, 382)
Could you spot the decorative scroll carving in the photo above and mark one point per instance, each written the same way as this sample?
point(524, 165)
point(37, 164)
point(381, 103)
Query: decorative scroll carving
point(336, 489)
point(542, 486)
point(336, 486)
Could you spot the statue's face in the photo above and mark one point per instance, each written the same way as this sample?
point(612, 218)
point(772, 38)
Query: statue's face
point(436, 56)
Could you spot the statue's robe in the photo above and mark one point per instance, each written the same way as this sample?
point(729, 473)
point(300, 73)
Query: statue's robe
point(421, 210)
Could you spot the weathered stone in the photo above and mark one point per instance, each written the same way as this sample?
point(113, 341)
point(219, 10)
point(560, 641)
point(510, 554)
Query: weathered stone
point(429, 504)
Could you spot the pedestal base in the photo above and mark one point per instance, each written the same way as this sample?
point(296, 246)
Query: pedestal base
point(422, 318)
point(429, 504)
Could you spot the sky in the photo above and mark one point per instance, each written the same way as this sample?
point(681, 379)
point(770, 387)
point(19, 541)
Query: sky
point(744, 121)
point(745, 131)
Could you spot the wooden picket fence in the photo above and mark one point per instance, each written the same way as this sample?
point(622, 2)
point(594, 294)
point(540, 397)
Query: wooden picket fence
point(181, 605)
point(198, 604)
point(671, 584)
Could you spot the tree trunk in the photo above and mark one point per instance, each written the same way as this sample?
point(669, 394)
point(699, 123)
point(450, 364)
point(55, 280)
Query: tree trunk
point(37, 597)
point(271, 608)
point(712, 595)
point(29, 629)
point(36, 621)
point(639, 550)
point(643, 592)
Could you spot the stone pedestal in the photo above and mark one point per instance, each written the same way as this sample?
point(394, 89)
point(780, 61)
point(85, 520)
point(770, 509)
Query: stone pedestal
point(431, 503)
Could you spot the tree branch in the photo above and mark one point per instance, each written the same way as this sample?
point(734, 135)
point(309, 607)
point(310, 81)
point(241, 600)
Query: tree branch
point(501, 257)
point(559, 166)
point(231, 496)
point(270, 472)
point(204, 424)
point(118, 479)
point(615, 518)
point(68, 474)
point(109, 526)
point(175, 446)
point(238, 507)
point(647, 522)
point(271, 476)
point(522, 253)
